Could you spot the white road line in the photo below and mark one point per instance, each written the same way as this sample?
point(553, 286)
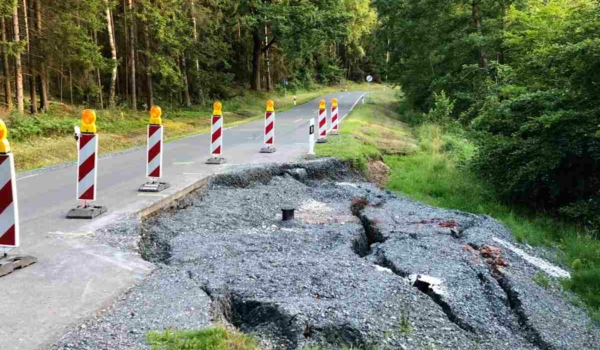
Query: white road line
point(351, 108)
point(27, 177)
point(298, 121)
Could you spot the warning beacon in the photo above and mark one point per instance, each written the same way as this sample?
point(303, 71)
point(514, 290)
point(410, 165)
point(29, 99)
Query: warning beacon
point(154, 153)
point(9, 210)
point(269, 128)
point(216, 135)
point(87, 169)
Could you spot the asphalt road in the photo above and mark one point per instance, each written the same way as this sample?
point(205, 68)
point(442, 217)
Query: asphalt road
point(76, 276)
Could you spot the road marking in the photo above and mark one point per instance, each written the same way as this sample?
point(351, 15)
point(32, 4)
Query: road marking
point(298, 121)
point(183, 163)
point(27, 177)
point(152, 195)
point(350, 111)
point(72, 234)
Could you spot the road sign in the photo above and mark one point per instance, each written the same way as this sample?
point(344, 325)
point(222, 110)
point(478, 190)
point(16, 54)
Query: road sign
point(369, 78)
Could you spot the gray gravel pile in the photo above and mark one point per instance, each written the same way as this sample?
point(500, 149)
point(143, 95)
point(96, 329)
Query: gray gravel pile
point(357, 267)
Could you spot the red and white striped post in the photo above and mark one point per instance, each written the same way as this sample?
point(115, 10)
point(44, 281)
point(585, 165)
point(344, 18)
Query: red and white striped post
point(87, 169)
point(154, 153)
point(9, 209)
point(269, 128)
point(216, 135)
point(322, 120)
point(335, 121)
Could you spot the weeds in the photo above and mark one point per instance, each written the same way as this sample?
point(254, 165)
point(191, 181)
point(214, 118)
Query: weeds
point(216, 338)
point(542, 280)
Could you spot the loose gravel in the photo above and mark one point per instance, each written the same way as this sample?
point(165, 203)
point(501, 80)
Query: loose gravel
point(358, 267)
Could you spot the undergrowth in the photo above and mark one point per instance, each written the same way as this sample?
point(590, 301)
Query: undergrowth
point(216, 338)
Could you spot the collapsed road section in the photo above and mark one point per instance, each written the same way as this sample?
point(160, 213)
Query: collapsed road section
point(357, 267)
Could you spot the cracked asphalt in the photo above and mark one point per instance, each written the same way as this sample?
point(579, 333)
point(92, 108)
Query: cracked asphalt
point(358, 267)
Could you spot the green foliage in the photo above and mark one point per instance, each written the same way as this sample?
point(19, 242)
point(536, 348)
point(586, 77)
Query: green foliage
point(217, 338)
point(523, 75)
point(442, 110)
point(542, 280)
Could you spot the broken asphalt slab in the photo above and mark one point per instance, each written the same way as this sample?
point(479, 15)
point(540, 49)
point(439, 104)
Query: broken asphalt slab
point(357, 267)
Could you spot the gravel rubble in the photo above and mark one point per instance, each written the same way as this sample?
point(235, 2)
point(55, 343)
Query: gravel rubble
point(358, 267)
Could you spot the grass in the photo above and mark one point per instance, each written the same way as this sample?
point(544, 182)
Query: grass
point(46, 139)
point(371, 133)
point(215, 338)
point(436, 172)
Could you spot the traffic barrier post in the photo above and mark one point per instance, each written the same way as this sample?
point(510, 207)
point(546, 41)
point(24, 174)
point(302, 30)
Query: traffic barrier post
point(269, 128)
point(311, 140)
point(154, 153)
point(294, 100)
point(9, 209)
point(322, 122)
point(216, 139)
point(87, 169)
point(335, 128)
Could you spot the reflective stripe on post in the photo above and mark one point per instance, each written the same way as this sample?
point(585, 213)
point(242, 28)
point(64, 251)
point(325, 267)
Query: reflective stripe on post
point(322, 122)
point(86, 170)
point(334, 117)
point(9, 209)
point(155, 146)
point(216, 143)
point(216, 135)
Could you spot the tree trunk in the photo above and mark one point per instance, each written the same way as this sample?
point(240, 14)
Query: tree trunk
point(186, 85)
point(483, 56)
point(19, 67)
point(71, 85)
point(256, 53)
point(197, 61)
point(113, 54)
point(7, 89)
point(43, 73)
point(149, 90)
point(31, 77)
point(267, 62)
point(132, 57)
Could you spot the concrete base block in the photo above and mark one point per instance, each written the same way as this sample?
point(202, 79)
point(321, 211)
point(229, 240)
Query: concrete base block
point(267, 150)
point(10, 263)
point(216, 160)
point(322, 141)
point(86, 212)
point(310, 157)
point(154, 187)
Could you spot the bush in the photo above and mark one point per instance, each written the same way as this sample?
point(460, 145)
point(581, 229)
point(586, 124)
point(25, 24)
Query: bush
point(441, 111)
point(541, 149)
point(24, 127)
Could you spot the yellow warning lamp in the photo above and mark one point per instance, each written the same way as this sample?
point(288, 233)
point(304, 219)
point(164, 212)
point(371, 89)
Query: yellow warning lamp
point(334, 102)
point(4, 145)
point(88, 121)
point(155, 115)
point(270, 106)
point(322, 104)
point(218, 109)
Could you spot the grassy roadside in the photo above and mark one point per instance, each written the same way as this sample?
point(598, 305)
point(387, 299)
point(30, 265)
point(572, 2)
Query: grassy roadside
point(429, 164)
point(47, 139)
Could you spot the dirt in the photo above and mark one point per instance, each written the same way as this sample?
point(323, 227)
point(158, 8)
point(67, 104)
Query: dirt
point(378, 173)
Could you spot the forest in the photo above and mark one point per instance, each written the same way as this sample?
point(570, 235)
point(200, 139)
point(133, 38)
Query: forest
point(104, 53)
point(522, 78)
